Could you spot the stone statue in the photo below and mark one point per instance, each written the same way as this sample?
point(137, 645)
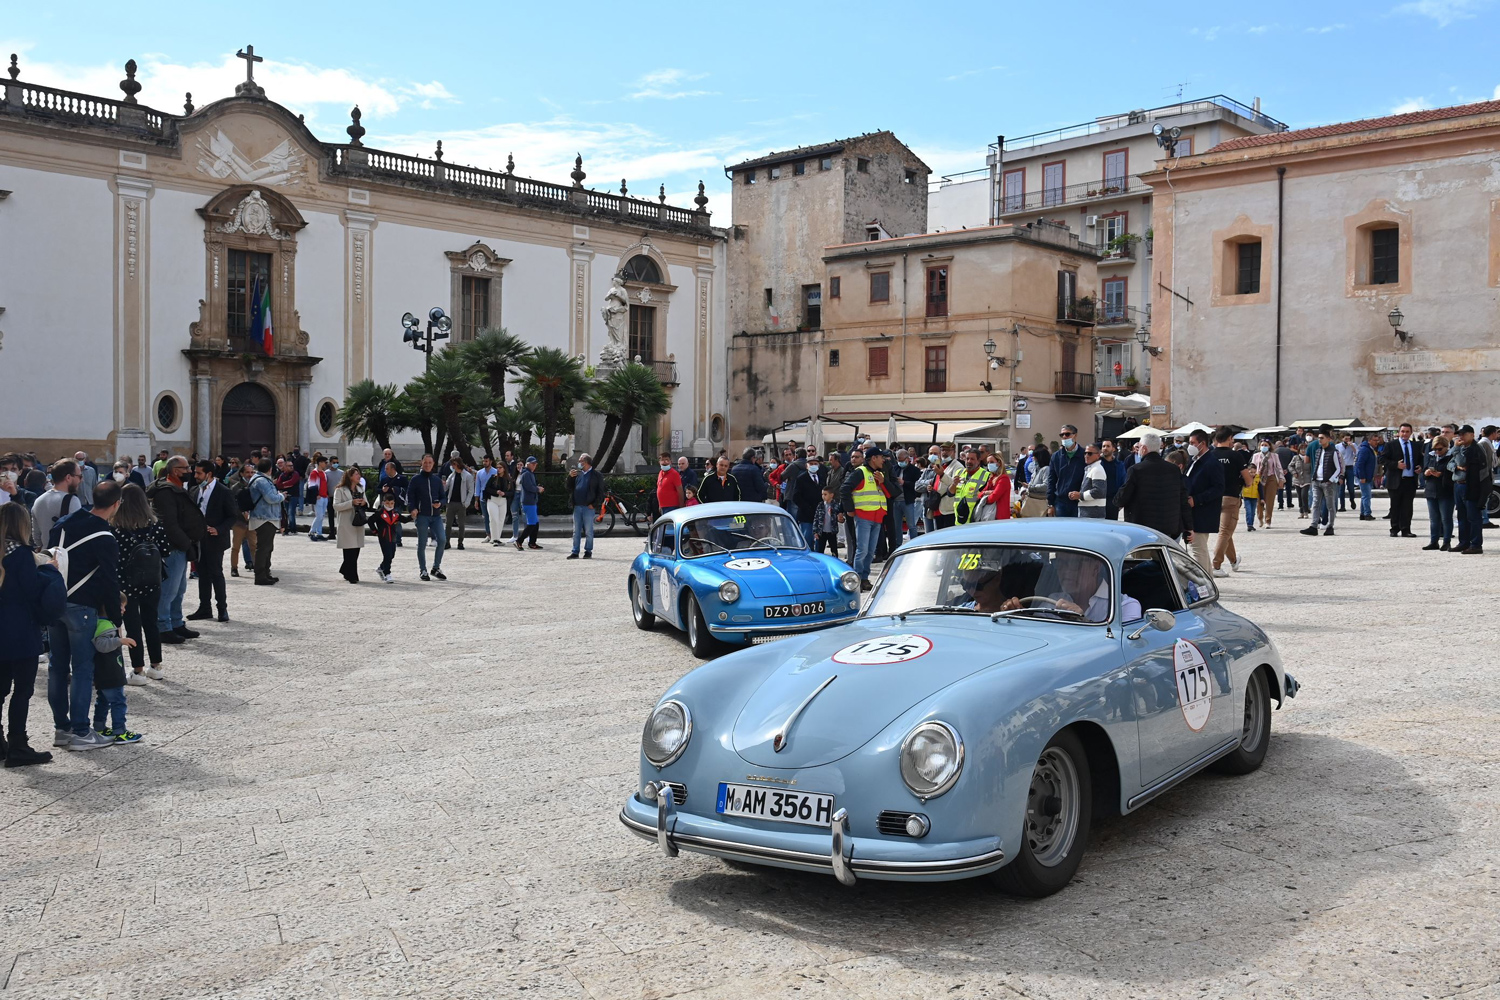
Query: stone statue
point(616, 314)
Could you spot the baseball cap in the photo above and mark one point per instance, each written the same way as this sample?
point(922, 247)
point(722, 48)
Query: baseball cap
point(530, 459)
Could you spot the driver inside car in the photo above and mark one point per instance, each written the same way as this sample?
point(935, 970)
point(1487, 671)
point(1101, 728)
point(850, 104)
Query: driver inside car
point(1084, 590)
point(984, 587)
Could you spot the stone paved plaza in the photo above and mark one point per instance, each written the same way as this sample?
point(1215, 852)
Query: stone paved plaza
point(412, 790)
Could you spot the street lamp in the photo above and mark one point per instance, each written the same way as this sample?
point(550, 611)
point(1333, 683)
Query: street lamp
point(438, 328)
point(989, 352)
point(1394, 317)
point(1143, 337)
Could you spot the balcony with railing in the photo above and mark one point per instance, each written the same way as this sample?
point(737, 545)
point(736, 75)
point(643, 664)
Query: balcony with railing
point(1076, 312)
point(1073, 385)
point(666, 371)
point(1123, 252)
point(1072, 194)
point(1119, 372)
point(1112, 314)
point(1107, 123)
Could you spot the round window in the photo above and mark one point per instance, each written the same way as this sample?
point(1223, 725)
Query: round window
point(327, 414)
point(166, 412)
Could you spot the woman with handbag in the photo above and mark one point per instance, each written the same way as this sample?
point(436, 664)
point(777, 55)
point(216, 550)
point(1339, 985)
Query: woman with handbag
point(994, 501)
point(349, 509)
point(31, 597)
point(1035, 504)
point(1270, 476)
point(143, 541)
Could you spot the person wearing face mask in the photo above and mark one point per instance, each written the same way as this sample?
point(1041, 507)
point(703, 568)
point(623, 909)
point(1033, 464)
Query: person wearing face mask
point(994, 502)
point(1267, 466)
point(1095, 485)
point(1205, 486)
point(669, 487)
point(967, 487)
point(1066, 481)
point(905, 483)
point(807, 494)
point(948, 470)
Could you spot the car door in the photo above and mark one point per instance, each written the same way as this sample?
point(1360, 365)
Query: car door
point(1179, 678)
point(661, 554)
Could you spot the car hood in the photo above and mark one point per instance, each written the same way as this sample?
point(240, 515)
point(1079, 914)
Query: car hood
point(767, 575)
point(864, 698)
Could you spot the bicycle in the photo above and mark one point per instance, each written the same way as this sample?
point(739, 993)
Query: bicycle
point(613, 509)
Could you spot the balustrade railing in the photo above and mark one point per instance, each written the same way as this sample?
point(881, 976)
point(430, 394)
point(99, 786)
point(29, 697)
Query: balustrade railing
point(65, 105)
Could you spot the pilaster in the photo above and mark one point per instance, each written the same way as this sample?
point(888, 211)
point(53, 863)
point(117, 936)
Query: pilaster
point(579, 323)
point(132, 307)
point(702, 360)
point(359, 252)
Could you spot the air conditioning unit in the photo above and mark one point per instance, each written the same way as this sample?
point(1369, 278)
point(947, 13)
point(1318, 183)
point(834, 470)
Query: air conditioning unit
point(1091, 221)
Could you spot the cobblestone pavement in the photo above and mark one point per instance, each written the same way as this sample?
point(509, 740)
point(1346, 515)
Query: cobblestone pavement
point(411, 790)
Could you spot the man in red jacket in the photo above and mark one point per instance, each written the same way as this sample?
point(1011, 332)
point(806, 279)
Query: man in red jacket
point(669, 490)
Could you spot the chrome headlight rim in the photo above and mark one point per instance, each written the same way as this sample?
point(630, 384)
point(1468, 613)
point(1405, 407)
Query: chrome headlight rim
point(849, 581)
point(729, 592)
point(908, 772)
point(687, 733)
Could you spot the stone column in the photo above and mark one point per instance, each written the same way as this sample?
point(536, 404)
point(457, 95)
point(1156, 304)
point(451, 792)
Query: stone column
point(304, 416)
point(203, 416)
point(359, 242)
point(581, 321)
point(703, 313)
point(133, 418)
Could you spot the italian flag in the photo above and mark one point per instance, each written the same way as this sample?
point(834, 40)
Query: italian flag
point(262, 330)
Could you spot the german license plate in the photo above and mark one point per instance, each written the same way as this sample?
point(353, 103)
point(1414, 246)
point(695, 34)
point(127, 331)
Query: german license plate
point(777, 804)
point(794, 610)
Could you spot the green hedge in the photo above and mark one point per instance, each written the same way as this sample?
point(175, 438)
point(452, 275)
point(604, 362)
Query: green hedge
point(558, 496)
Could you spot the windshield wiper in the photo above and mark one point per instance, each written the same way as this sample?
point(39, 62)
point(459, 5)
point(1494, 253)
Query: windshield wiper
point(938, 609)
point(1076, 615)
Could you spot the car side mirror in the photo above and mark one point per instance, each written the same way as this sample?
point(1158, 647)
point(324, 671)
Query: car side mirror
point(1157, 618)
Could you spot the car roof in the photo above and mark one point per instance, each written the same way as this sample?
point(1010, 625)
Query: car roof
point(1112, 539)
point(726, 508)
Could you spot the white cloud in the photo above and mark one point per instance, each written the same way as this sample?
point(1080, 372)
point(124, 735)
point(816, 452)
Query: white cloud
point(665, 84)
point(1496, 96)
point(1411, 104)
point(972, 72)
point(429, 95)
point(1325, 29)
point(1259, 29)
point(1207, 34)
point(1444, 12)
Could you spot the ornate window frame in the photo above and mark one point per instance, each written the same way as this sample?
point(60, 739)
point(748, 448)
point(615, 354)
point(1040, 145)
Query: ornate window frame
point(1378, 214)
point(317, 419)
point(256, 220)
point(478, 261)
point(657, 295)
point(155, 409)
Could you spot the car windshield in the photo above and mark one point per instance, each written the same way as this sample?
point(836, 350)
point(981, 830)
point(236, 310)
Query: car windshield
point(769, 532)
point(1021, 581)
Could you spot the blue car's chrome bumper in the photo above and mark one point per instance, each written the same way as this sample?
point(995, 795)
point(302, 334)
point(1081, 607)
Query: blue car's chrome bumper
point(781, 626)
point(830, 851)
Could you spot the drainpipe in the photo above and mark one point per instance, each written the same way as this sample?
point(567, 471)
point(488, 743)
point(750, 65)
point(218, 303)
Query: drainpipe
point(903, 329)
point(1280, 267)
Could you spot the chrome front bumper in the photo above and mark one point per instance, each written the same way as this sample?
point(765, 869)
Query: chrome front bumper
point(781, 626)
point(839, 861)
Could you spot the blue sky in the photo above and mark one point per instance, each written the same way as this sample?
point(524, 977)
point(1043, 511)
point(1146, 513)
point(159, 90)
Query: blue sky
point(668, 93)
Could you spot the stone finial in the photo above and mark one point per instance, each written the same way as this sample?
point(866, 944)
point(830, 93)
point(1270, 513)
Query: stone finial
point(510, 163)
point(356, 130)
point(662, 195)
point(702, 199)
point(624, 191)
point(130, 85)
point(15, 67)
point(578, 175)
point(438, 153)
point(187, 105)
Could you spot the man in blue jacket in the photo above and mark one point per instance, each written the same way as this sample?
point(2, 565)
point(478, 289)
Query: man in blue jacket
point(588, 494)
point(1205, 486)
point(1066, 478)
point(424, 494)
point(93, 584)
point(751, 477)
point(1364, 474)
point(529, 493)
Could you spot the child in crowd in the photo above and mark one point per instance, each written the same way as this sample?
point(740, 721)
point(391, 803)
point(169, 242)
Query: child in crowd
point(388, 521)
point(826, 525)
point(109, 682)
point(691, 492)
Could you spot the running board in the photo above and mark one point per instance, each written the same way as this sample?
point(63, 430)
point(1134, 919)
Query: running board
point(1186, 771)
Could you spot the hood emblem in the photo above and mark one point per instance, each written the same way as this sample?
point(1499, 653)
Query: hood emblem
point(779, 741)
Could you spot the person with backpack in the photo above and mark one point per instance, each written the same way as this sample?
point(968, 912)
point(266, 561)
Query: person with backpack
point(31, 596)
point(265, 517)
point(185, 528)
point(143, 544)
point(220, 514)
point(58, 502)
point(88, 557)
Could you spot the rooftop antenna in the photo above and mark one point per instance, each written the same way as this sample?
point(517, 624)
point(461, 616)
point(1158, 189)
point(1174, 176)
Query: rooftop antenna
point(1184, 83)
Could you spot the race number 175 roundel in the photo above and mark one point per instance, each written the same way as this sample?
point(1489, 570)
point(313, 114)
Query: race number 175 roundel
point(1194, 684)
point(884, 649)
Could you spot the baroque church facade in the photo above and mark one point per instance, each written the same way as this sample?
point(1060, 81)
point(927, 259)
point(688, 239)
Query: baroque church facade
point(135, 240)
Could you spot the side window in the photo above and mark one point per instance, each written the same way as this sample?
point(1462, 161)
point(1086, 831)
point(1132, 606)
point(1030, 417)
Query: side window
point(662, 540)
point(1197, 586)
point(1146, 578)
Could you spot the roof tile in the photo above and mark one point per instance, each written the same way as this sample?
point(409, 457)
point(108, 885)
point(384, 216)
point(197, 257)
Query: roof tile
point(1362, 125)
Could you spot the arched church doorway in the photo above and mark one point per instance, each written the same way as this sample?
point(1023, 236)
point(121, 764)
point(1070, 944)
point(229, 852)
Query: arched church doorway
point(248, 420)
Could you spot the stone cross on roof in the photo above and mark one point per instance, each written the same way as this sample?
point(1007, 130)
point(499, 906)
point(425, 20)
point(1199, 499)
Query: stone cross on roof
point(249, 88)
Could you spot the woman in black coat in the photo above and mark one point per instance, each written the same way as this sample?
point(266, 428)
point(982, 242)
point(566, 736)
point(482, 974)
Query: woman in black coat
point(31, 597)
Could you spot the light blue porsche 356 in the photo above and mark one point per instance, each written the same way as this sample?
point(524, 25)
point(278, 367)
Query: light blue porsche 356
point(1008, 682)
point(727, 573)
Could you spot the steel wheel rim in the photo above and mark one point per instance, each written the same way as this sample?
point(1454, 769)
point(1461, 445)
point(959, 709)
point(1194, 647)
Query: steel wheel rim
point(635, 602)
point(692, 623)
point(1255, 708)
point(1049, 834)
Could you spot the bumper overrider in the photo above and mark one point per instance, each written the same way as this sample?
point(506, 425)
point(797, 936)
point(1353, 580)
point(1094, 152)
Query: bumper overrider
point(832, 852)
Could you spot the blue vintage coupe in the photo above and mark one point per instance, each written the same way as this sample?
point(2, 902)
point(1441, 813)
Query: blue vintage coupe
point(1008, 682)
point(727, 573)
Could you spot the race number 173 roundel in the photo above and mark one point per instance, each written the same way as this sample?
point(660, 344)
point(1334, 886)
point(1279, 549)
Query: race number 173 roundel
point(884, 649)
point(1194, 684)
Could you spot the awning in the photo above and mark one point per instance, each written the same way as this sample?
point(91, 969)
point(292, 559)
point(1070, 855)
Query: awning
point(908, 432)
point(991, 434)
point(1187, 429)
point(1339, 423)
point(1130, 403)
point(1136, 432)
point(1257, 432)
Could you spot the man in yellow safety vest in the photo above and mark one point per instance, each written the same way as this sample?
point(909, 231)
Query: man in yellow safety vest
point(967, 486)
point(864, 495)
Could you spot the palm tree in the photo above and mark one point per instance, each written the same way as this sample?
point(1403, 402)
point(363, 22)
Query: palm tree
point(558, 379)
point(452, 381)
point(366, 413)
point(495, 355)
point(606, 399)
point(419, 409)
point(641, 399)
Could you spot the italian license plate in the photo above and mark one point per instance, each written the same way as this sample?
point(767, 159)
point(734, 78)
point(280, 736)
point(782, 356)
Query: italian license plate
point(794, 610)
point(777, 804)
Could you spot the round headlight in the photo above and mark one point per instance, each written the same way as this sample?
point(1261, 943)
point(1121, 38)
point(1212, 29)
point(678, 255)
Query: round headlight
point(849, 581)
point(729, 592)
point(932, 755)
point(667, 733)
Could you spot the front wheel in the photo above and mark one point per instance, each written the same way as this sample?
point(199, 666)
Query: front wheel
point(606, 523)
point(1059, 810)
point(700, 640)
point(1255, 732)
point(643, 618)
point(638, 520)
point(1492, 505)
